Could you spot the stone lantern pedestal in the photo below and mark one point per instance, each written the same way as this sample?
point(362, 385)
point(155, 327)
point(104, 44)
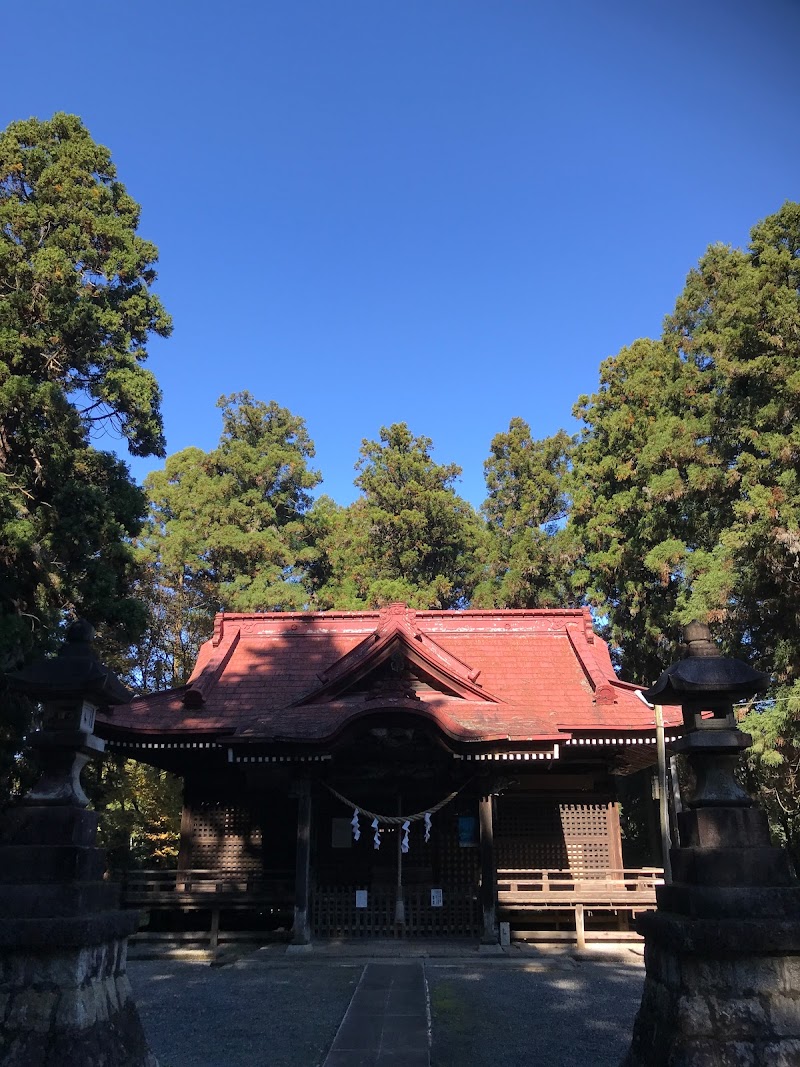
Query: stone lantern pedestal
point(722, 951)
point(65, 999)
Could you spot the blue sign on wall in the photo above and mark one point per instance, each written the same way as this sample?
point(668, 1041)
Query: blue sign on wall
point(467, 831)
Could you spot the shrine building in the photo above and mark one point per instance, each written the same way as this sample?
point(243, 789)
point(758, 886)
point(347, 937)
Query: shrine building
point(376, 772)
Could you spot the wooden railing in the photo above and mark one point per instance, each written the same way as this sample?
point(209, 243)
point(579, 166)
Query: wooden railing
point(203, 889)
point(629, 887)
point(211, 891)
point(624, 892)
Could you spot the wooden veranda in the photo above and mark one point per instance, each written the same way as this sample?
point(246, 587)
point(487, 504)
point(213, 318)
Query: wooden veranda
point(543, 905)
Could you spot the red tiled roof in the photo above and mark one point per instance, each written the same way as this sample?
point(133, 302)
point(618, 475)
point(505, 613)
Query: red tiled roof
point(303, 677)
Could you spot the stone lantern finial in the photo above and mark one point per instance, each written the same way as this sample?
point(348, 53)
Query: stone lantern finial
point(698, 642)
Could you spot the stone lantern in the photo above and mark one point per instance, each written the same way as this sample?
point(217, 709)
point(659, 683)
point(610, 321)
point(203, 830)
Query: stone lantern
point(63, 937)
point(722, 951)
point(70, 687)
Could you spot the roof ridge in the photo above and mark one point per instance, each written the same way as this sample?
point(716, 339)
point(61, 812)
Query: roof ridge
point(242, 616)
point(197, 689)
point(600, 682)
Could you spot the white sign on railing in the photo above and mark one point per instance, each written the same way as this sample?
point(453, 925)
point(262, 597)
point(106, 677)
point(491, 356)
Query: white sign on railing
point(361, 898)
point(436, 898)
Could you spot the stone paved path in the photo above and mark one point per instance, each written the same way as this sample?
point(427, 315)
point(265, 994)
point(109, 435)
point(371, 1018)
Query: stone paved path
point(386, 1024)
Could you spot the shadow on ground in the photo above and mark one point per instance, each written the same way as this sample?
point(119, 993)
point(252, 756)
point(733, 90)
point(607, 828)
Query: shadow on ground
point(572, 1014)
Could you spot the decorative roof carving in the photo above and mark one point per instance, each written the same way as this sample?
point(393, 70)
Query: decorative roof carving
point(398, 638)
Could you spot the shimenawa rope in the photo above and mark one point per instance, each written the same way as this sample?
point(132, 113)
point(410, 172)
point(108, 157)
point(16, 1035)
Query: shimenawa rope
point(396, 820)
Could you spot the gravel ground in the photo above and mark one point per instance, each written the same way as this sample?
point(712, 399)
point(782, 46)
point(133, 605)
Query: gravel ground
point(244, 1014)
point(553, 1012)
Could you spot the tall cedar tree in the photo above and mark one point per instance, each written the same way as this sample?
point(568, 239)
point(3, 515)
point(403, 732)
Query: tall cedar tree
point(686, 478)
point(226, 529)
point(76, 312)
point(408, 537)
point(644, 440)
point(532, 556)
point(687, 487)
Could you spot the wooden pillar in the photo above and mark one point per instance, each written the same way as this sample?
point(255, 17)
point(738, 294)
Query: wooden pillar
point(213, 937)
point(301, 929)
point(614, 835)
point(488, 872)
point(580, 929)
point(186, 846)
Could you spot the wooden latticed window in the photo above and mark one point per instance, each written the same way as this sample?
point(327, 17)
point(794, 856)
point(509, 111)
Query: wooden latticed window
point(528, 833)
point(539, 832)
point(225, 837)
point(587, 836)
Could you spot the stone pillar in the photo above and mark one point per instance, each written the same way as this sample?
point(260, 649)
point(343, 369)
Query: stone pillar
point(64, 995)
point(301, 929)
point(488, 872)
point(722, 951)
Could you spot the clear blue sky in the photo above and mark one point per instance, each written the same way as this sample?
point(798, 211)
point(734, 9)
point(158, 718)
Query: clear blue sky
point(445, 212)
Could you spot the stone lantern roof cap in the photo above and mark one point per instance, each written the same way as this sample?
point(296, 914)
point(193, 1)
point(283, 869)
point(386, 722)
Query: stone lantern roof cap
point(75, 671)
point(705, 672)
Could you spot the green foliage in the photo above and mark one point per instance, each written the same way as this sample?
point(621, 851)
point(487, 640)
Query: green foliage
point(531, 555)
point(771, 771)
point(408, 537)
point(640, 450)
point(75, 314)
point(737, 325)
point(226, 529)
point(17, 773)
point(141, 812)
point(686, 476)
point(76, 309)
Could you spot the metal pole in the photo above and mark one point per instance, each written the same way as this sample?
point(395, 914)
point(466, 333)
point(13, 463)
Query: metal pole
point(677, 803)
point(663, 810)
